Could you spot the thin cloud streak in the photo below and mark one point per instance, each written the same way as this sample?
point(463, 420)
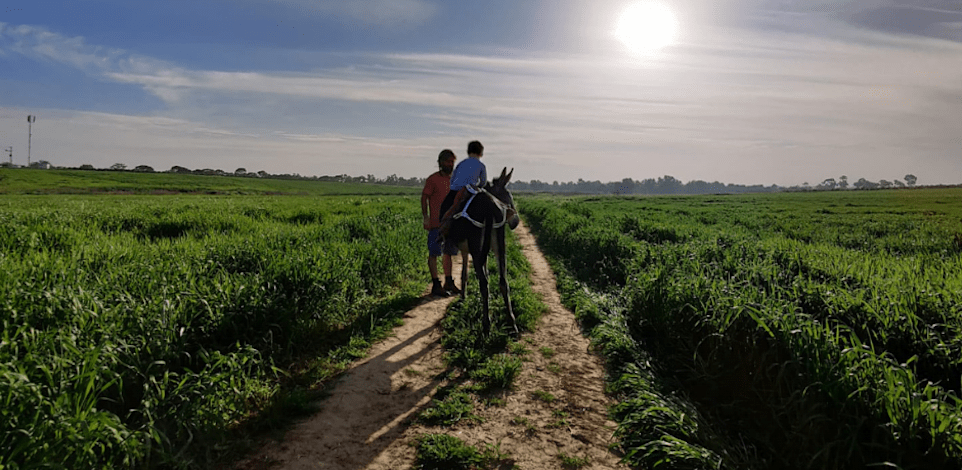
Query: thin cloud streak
point(390, 13)
point(102, 139)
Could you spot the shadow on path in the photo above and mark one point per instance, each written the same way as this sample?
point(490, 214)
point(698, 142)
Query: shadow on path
point(367, 409)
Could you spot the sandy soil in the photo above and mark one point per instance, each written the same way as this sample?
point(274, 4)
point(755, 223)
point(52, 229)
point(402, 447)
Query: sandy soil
point(366, 422)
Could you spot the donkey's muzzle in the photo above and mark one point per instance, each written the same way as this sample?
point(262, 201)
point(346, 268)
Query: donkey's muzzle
point(513, 219)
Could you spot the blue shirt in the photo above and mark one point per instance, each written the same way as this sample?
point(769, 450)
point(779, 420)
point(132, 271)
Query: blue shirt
point(469, 171)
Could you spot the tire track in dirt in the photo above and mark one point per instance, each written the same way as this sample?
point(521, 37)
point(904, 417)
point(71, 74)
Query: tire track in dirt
point(366, 422)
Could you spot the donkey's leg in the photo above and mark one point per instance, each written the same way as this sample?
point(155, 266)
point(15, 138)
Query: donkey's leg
point(464, 267)
point(481, 271)
point(499, 251)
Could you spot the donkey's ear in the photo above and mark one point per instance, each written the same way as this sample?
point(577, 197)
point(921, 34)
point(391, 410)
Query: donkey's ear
point(503, 171)
point(508, 177)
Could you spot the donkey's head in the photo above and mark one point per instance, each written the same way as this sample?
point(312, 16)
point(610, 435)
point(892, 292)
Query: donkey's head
point(499, 188)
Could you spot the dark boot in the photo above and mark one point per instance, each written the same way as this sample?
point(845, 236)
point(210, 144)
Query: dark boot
point(437, 290)
point(450, 288)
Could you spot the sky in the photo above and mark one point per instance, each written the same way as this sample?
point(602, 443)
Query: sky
point(765, 92)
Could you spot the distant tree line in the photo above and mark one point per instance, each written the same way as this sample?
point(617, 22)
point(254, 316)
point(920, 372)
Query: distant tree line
point(392, 180)
point(37, 165)
point(663, 185)
point(670, 185)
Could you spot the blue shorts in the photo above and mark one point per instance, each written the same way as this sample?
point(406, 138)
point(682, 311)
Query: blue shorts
point(435, 248)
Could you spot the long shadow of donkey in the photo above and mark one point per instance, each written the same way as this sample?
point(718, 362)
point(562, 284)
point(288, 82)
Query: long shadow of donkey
point(477, 228)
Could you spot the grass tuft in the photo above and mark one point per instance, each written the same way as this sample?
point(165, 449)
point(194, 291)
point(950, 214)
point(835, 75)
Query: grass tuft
point(570, 462)
point(450, 408)
point(445, 452)
point(543, 396)
point(497, 373)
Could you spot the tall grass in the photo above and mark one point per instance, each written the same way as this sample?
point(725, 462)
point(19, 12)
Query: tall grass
point(789, 331)
point(137, 331)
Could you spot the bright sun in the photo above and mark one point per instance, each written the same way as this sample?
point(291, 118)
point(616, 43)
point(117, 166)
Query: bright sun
point(646, 27)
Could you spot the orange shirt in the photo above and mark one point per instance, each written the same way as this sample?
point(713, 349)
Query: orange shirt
point(436, 188)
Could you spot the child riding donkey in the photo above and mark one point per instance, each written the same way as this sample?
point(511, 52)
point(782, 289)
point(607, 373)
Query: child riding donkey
point(469, 175)
point(475, 215)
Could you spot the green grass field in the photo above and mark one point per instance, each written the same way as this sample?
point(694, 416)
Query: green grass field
point(140, 331)
point(152, 320)
point(27, 181)
point(809, 330)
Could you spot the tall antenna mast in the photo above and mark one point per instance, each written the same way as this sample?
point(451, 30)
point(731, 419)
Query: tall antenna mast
point(30, 120)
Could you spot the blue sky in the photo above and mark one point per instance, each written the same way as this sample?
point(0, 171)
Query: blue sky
point(751, 91)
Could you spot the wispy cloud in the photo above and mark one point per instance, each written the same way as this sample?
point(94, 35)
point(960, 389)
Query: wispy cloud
point(37, 42)
point(72, 138)
point(389, 13)
point(360, 88)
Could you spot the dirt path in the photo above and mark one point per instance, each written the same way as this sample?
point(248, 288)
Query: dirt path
point(365, 423)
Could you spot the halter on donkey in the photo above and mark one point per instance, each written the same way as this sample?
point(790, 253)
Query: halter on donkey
point(477, 228)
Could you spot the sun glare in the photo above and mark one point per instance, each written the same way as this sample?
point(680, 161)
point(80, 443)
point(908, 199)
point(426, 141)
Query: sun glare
point(646, 27)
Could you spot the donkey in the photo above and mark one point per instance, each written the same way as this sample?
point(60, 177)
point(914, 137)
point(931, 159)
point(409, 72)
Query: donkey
point(478, 227)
